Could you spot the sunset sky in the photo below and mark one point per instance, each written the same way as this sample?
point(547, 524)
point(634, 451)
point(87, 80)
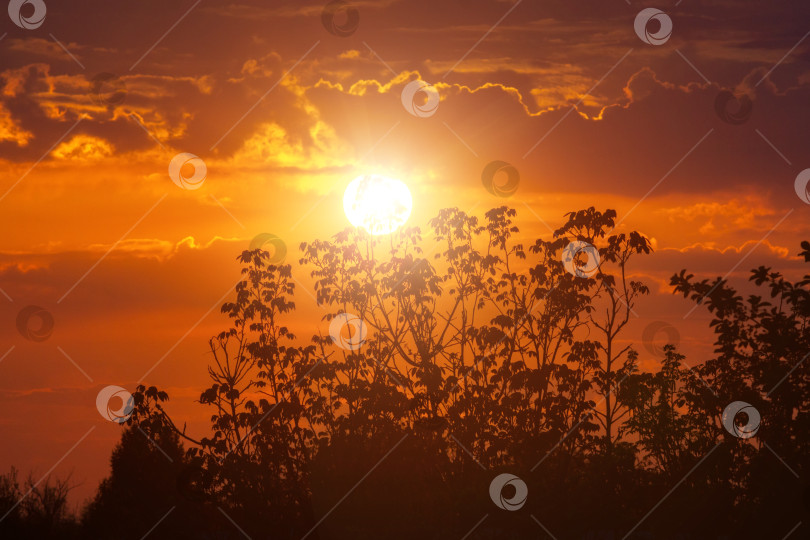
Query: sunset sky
point(285, 114)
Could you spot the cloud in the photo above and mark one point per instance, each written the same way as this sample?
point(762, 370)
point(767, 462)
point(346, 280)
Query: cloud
point(39, 47)
point(10, 131)
point(84, 148)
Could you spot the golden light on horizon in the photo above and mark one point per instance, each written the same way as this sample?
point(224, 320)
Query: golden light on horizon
point(377, 203)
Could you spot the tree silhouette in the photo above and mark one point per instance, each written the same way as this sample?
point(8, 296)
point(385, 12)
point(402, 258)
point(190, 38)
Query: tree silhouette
point(471, 355)
point(151, 484)
point(478, 346)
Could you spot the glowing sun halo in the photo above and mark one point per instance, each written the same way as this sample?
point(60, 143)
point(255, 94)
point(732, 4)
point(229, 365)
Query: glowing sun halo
point(377, 203)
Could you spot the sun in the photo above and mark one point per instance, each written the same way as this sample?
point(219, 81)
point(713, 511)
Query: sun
point(377, 203)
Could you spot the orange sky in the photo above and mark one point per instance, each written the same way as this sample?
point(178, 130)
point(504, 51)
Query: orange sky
point(284, 114)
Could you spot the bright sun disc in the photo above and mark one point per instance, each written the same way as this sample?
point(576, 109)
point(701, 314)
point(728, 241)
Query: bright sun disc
point(377, 203)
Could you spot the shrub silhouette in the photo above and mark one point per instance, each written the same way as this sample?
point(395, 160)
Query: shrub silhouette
point(37, 509)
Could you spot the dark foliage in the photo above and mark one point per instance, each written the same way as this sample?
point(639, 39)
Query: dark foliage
point(482, 356)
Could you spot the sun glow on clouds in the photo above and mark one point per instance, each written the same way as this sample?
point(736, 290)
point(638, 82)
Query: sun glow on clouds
point(10, 131)
point(272, 144)
point(83, 148)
